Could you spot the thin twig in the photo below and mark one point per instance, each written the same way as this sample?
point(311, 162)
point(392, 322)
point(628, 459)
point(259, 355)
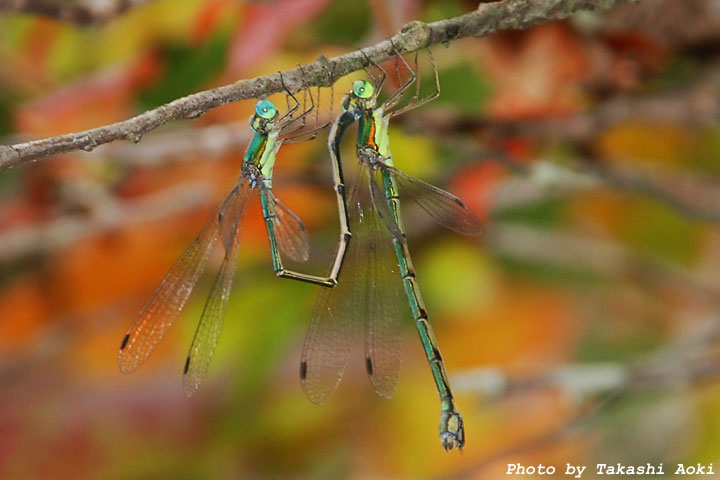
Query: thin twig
point(77, 13)
point(488, 18)
point(158, 148)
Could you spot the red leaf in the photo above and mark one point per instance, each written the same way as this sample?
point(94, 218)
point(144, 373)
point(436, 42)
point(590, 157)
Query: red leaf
point(476, 186)
point(207, 19)
point(92, 101)
point(265, 27)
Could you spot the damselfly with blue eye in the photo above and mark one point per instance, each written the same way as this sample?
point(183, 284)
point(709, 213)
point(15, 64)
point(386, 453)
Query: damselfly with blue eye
point(379, 268)
point(285, 230)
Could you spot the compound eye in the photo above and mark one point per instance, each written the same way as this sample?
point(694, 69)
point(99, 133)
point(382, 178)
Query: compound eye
point(265, 109)
point(362, 89)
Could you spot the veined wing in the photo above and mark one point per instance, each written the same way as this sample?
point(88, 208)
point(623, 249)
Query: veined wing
point(290, 231)
point(168, 299)
point(337, 313)
point(379, 202)
point(383, 306)
point(208, 330)
point(447, 209)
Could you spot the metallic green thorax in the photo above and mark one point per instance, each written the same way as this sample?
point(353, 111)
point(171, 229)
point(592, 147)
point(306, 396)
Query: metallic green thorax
point(373, 132)
point(263, 148)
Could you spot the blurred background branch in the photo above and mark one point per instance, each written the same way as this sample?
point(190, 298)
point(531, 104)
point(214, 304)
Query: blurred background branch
point(81, 14)
point(688, 361)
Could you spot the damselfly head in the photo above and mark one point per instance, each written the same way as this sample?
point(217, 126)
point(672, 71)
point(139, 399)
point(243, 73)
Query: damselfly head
point(265, 109)
point(361, 96)
point(363, 89)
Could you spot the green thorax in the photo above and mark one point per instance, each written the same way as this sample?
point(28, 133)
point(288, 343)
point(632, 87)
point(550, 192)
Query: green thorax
point(373, 131)
point(262, 151)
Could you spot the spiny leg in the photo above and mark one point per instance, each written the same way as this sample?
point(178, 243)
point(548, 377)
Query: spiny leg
point(377, 83)
point(302, 136)
point(397, 94)
point(284, 124)
point(292, 110)
point(414, 103)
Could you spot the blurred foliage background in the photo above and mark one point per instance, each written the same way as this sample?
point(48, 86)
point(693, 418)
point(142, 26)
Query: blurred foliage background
point(582, 327)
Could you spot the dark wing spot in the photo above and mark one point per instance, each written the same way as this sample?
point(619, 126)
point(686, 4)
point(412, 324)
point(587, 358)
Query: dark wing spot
point(459, 202)
point(436, 354)
point(187, 365)
point(369, 365)
point(124, 341)
point(303, 370)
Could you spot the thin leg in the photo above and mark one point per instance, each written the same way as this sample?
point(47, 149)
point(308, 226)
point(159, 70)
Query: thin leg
point(312, 133)
point(290, 95)
point(397, 95)
point(304, 136)
point(413, 102)
point(378, 84)
point(284, 122)
point(283, 125)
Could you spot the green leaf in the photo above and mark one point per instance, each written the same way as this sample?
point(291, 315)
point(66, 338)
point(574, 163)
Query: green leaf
point(344, 22)
point(188, 69)
point(657, 230)
point(464, 87)
point(544, 213)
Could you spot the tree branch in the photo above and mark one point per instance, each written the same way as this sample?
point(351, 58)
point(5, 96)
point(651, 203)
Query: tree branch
point(76, 13)
point(488, 18)
point(687, 361)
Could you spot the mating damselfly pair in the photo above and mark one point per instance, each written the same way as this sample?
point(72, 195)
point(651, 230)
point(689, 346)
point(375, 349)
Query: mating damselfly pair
point(366, 288)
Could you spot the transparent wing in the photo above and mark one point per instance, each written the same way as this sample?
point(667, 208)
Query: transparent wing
point(369, 292)
point(447, 209)
point(168, 299)
point(380, 204)
point(384, 298)
point(337, 312)
point(291, 234)
point(208, 330)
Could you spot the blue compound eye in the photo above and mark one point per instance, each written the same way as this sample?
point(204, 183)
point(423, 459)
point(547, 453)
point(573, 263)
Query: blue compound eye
point(362, 89)
point(265, 109)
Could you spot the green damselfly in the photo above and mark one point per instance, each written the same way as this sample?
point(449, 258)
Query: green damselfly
point(379, 268)
point(286, 233)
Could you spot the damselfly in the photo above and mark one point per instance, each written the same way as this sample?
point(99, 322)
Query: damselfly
point(285, 230)
point(371, 284)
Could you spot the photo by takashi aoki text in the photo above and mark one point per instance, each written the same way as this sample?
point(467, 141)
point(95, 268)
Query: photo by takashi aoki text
point(610, 469)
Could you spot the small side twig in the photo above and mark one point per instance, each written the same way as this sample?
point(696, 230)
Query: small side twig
point(77, 13)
